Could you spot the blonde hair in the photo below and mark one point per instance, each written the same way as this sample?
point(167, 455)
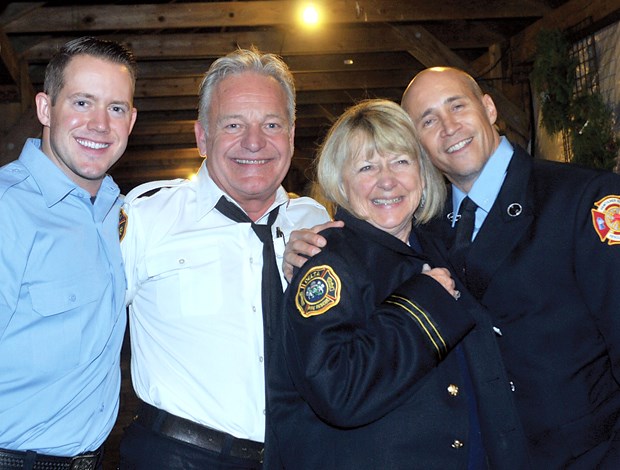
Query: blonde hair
point(382, 126)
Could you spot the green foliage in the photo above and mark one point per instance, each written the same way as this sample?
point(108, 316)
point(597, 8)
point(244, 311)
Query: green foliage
point(553, 77)
point(586, 119)
point(593, 140)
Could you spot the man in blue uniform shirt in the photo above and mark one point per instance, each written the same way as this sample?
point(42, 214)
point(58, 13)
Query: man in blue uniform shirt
point(62, 285)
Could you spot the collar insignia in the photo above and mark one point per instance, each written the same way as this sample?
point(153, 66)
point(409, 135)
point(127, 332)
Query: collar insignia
point(318, 291)
point(606, 219)
point(122, 224)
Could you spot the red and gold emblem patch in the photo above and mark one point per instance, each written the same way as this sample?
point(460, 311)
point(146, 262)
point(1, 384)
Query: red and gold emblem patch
point(318, 291)
point(122, 224)
point(606, 219)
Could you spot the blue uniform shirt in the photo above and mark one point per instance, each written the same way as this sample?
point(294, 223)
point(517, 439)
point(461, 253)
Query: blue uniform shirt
point(62, 311)
point(486, 188)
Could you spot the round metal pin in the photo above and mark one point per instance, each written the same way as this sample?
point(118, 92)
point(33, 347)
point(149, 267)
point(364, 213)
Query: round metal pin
point(514, 209)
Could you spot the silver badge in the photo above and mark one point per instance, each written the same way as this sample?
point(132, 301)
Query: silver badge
point(514, 209)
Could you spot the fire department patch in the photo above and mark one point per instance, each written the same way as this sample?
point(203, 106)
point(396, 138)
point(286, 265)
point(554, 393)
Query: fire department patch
point(122, 224)
point(318, 291)
point(606, 219)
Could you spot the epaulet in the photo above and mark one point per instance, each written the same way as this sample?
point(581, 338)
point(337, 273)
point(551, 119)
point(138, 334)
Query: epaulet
point(151, 186)
point(10, 175)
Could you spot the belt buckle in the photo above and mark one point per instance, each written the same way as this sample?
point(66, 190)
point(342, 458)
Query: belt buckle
point(84, 462)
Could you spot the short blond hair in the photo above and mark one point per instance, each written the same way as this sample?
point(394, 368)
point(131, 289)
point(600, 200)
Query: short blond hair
point(382, 126)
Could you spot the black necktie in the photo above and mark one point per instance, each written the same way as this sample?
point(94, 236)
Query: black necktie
point(271, 297)
point(464, 231)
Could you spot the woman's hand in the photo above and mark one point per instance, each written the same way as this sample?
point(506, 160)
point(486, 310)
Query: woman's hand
point(443, 277)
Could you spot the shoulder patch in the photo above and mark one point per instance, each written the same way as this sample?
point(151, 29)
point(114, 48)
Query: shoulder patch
point(606, 219)
point(122, 225)
point(318, 291)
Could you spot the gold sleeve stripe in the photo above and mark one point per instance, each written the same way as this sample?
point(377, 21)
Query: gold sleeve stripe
point(432, 325)
point(425, 322)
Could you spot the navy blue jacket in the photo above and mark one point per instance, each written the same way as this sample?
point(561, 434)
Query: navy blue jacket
point(544, 264)
point(366, 375)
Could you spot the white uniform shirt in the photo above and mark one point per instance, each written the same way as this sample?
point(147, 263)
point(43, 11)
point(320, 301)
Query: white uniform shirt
point(194, 294)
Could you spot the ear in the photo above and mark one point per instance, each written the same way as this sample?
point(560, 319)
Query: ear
point(292, 139)
point(43, 103)
point(201, 139)
point(490, 109)
point(134, 115)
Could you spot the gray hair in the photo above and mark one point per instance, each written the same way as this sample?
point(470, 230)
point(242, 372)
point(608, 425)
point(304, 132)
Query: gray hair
point(382, 126)
point(241, 61)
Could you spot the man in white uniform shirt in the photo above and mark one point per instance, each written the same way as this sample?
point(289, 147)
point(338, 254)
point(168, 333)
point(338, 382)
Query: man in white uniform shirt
point(198, 338)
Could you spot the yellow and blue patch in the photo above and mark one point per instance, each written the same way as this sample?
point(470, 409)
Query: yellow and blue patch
point(318, 291)
point(122, 224)
point(606, 219)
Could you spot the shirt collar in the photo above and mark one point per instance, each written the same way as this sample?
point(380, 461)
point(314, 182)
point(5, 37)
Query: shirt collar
point(208, 193)
point(486, 188)
point(54, 184)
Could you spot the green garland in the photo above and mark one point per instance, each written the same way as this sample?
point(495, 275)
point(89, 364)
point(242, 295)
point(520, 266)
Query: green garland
point(586, 119)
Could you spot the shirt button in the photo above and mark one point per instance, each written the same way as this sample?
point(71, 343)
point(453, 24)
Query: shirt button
point(512, 386)
point(251, 260)
point(261, 358)
point(253, 308)
point(457, 444)
point(72, 298)
point(181, 261)
point(453, 390)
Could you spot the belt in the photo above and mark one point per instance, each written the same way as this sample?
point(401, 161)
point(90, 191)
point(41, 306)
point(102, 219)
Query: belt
point(12, 459)
point(189, 432)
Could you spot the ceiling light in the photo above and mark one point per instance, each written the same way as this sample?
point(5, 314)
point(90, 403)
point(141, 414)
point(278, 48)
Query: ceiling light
point(310, 14)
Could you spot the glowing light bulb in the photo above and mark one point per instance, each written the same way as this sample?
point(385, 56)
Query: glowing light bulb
point(310, 14)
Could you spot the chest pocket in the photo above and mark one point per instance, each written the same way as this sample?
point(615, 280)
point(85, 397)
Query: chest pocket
point(185, 284)
point(67, 293)
point(62, 309)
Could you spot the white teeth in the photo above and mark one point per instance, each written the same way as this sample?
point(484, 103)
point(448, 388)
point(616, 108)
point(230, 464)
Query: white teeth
point(460, 145)
point(386, 202)
point(92, 145)
point(251, 162)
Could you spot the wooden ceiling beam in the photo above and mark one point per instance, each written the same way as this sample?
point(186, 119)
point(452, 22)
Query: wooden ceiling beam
point(205, 47)
point(259, 13)
point(431, 52)
point(188, 86)
point(345, 40)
